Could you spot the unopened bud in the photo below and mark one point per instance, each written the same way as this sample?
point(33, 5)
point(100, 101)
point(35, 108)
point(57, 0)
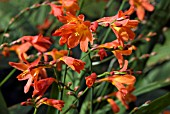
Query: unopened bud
point(79, 94)
point(76, 88)
point(70, 93)
point(138, 72)
point(69, 84)
point(99, 99)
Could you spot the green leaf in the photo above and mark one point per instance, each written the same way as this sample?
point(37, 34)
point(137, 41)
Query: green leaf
point(3, 107)
point(151, 87)
point(155, 107)
point(18, 109)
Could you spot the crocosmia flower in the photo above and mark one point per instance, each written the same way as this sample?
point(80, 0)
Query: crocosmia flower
point(125, 98)
point(38, 42)
point(70, 6)
point(121, 25)
point(29, 72)
point(102, 53)
point(75, 64)
point(119, 81)
point(75, 31)
point(141, 6)
point(114, 106)
point(58, 104)
point(41, 86)
point(90, 79)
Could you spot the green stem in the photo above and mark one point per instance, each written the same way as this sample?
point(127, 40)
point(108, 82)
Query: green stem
point(7, 77)
point(122, 5)
point(80, 4)
point(64, 79)
point(106, 7)
point(74, 102)
point(106, 35)
point(35, 110)
point(103, 61)
point(91, 93)
point(91, 90)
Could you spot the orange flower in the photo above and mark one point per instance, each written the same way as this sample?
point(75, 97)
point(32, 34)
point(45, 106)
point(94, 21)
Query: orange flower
point(56, 54)
point(118, 52)
point(119, 81)
point(125, 98)
point(18, 48)
point(52, 102)
point(29, 72)
point(114, 106)
point(75, 64)
point(41, 86)
point(38, 42)
point(119, 55)
point(102, 53)
point(114, 44)
point(90, 79)
point(56, 10)
point(75, 31)
point(46, 24)
point(140, 6)
point(38, 101)
point(121, 25)
point(70, 6)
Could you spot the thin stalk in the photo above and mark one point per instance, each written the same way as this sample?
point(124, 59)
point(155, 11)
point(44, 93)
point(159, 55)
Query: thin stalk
point(106, 35)
point(64, 79)
point(91, 90)
point(106, 7)
point(35, 110)
point(80, 4)
point(75, 101)
point(7, 77)
point(91, 93)
point(122, 5)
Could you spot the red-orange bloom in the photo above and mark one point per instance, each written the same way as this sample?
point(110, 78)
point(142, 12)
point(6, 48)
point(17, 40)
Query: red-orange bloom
point(56, 55)
point(41, 86)
point(29, 72)
point(45, 25)
point(114, 44)
point(140, 6)
point(121, 25)
point(59, 104)
point(75, 31)
point(119, 81)
point(119, 55)
point(38, 42)
point(56, 10)
point(75, 64)
point(125, 98)
point(18, 48)
point(114, 106)
point(90, 79)
point(70, 6)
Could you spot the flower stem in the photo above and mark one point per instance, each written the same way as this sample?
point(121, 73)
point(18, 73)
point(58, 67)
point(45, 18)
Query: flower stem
point(7, 77)
point(74, 102)
point(80, 4)
point(35, 110)
point(122, 5)
point(91, 90)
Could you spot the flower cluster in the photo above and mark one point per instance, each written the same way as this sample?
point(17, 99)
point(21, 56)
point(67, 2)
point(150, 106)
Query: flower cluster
point(76, 31)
